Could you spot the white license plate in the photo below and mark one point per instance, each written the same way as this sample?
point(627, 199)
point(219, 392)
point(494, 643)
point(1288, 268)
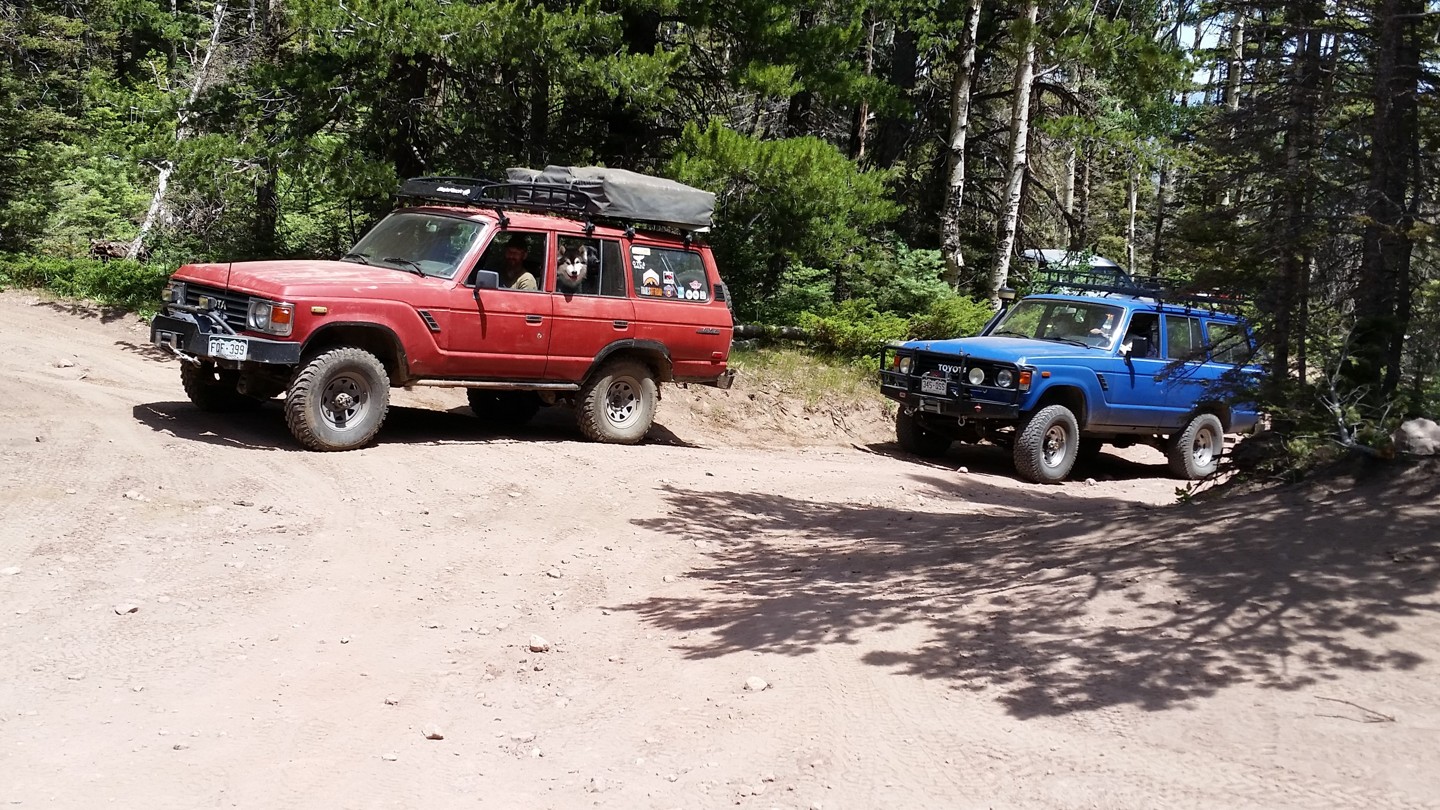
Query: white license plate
point(229, 348)
point(934, 385)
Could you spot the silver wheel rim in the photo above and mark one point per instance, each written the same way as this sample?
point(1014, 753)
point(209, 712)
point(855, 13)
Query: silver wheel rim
point(622, 404)
point(1053, 448)
point(1202, 450)
point(345, 401)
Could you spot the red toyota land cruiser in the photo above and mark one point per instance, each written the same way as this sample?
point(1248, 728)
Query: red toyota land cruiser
point(577, 285)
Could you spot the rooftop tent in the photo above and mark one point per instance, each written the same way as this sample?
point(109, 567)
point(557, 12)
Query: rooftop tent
point(627, 196)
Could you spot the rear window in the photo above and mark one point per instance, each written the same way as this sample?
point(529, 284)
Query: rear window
point(1228, 343)
point(667, 273)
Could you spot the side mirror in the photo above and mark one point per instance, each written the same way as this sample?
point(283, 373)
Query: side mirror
point(487, 280)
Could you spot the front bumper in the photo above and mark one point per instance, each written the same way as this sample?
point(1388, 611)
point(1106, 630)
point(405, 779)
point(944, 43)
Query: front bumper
point(960, 400)
point(187, 335)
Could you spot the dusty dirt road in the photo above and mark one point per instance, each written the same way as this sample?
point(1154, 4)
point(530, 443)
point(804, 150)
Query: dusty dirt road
point(930, 637)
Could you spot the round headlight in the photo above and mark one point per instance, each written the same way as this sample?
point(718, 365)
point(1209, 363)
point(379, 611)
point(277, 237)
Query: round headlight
point(976, 376)
point(904, 365)
point(1004, 377)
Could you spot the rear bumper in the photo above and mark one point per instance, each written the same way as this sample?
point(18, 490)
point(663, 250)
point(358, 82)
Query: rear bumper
point(187, 336)
point(723, 382)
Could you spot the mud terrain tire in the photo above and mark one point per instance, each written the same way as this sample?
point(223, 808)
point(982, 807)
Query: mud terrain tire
point(1047, 444)
point(215, 389)
point(338, 400)
point(617, 405)
point(1194, 452)
point(914, 438)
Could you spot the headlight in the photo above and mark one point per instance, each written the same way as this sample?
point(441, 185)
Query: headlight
point(903, 364)
point(174, 293)
point(1004, 377)
point(976, 376)
point(270, 317)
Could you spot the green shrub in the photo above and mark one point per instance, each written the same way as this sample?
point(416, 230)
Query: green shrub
point(855, 328)
point(132, 285)
point(951, 317)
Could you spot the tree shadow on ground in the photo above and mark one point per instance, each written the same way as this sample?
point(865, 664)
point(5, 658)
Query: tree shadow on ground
point(148, 351)
point(81, 309)
point(1057, 614)
point(994, 460)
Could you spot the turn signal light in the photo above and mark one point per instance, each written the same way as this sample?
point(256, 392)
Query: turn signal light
point(1024, 381)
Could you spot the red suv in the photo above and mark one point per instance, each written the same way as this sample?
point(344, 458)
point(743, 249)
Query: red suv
point(582, 286)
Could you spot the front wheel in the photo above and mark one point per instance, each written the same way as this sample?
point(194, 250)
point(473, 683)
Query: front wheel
point(338, 400)
point(215, 389)
point(915, 438)
point(1194, 452)
point(1047, 444)
point(617, 405)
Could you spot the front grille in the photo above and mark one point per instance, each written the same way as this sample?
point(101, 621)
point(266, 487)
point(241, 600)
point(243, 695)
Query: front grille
point(233, 305)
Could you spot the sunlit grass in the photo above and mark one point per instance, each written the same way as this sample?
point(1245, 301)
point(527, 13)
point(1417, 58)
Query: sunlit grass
point(815, 380)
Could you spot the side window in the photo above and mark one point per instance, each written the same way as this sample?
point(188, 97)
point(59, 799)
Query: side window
point(1143, 335)
point(669, 273)
point(1182, 338)
point(519, 258)
point(1228, 343)
point(589, 267)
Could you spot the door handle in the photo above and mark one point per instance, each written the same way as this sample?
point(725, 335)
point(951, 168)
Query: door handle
point(622, 324)
point(1159, 378)
point(1204, 383)
point(533, 319)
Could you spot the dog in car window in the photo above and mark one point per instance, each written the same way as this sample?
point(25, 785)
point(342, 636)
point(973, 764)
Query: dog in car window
point(574, 266)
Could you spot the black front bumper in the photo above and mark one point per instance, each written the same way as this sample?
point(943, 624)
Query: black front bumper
point(188, 335)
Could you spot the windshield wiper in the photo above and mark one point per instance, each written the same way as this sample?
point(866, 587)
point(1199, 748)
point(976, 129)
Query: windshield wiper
point(1082, 344)
point(1009, 332)
point(414, 266)
point(350, 257)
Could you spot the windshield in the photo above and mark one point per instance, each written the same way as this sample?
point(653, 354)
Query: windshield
point(426, 244)
point(1078, 322)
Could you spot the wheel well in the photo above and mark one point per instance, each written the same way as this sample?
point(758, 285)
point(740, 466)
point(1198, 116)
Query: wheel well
point(1071, 397)
point(377, 340)
point(655, 358)
point(1220, 409)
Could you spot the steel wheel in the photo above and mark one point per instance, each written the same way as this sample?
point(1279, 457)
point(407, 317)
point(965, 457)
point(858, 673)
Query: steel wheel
point(1056, 446)
point(345, 401)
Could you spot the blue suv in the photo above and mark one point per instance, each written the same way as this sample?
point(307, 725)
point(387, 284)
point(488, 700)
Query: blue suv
point(1097, 358)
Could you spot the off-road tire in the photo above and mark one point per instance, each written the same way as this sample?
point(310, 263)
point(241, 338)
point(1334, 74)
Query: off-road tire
point(338, 400)
point(617, 404)
point(1194, 452)
point(507, 408)
point(1047, 444)
point(215, 389)
point(914, 438)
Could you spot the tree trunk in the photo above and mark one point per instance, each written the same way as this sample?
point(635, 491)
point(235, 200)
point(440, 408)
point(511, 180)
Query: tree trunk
point(156, 212)
point(904, 70)
point(1019, 155)
point(1132, 196)
point(538, 148)
point(861, 128)
point(1233, 70)
point(1293, 240)
point(959, 131)
point(1382, 300)
point(1080, 236)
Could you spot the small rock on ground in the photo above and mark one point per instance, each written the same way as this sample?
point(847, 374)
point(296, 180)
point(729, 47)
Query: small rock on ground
point(433, 733)
point(538, 644)
point(756, 684)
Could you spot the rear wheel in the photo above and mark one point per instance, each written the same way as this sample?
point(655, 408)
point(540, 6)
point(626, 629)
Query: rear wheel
point(1047, 444)
point(509, 408)
point(915, 438)
point(215, 389)
point(617, 405)
point(1194, 452)
point(338, 400)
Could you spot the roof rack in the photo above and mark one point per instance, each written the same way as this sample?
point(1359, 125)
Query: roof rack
point(547, 197)
point(1102, 280)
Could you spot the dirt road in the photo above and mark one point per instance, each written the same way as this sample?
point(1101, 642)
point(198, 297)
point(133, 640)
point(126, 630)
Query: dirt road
point(928, 637)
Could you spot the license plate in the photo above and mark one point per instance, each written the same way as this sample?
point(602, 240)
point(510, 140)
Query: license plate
point(934, 385)
point(229, 348)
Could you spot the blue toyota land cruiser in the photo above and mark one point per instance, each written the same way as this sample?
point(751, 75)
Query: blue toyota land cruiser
point(1097, 357)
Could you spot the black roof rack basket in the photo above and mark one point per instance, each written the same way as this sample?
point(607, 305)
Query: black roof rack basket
point(1103, 281)
point(546, 197)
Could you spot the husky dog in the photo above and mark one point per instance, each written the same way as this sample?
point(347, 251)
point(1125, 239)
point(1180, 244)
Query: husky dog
point(574, 265)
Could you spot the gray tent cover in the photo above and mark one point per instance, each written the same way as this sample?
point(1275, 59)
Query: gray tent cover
point(628, 196)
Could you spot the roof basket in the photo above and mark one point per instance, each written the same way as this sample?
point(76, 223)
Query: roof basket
point(1103, 281)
